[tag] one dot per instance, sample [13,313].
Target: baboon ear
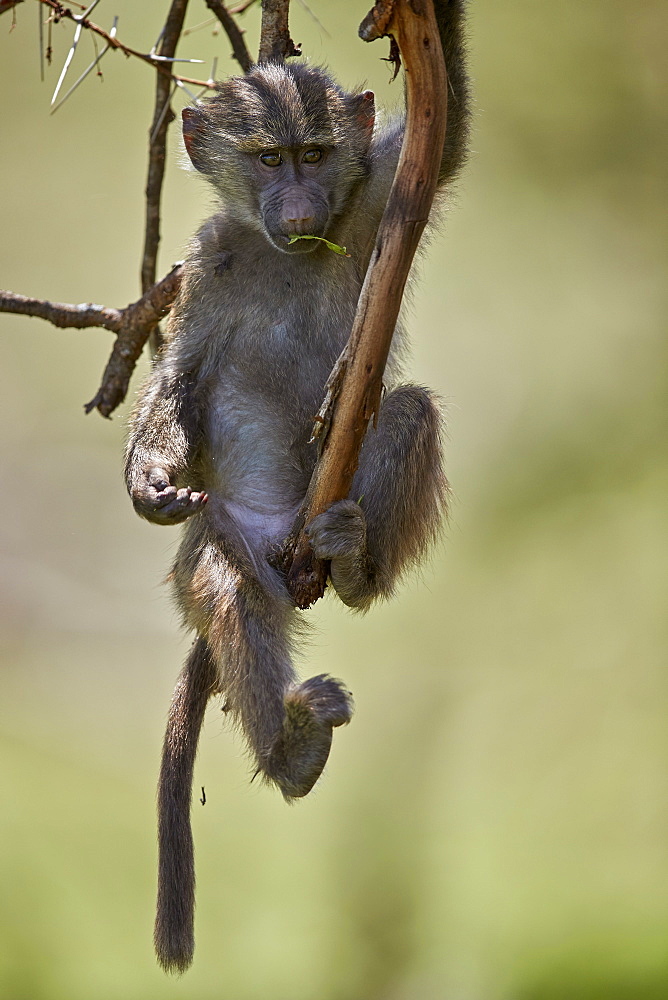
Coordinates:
[193,136]
[364,109]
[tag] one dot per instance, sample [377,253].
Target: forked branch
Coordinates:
[354,390]
[132,326]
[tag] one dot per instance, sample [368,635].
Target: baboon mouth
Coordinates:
[302,243]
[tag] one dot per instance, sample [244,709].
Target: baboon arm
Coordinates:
[386,146]
[163,440]
[451,21]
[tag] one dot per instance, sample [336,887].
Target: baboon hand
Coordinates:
[160,502]
[339,532]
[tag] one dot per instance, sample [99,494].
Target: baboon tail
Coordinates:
[174,922]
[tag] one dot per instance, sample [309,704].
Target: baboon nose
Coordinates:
[297,217]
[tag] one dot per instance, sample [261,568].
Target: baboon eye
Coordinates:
[271,159]
[312,156]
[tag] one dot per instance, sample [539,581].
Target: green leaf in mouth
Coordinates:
[332,246]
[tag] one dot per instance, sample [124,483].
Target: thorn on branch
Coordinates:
[95,62]
[59,12]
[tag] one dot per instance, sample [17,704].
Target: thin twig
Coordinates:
[275,42]
[241,8]
[314,17]
[234,33]
[162,114]
[355,387]
[40,19]
[193,97]
[157,150]
[198,27]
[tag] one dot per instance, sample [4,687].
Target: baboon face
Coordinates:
[284,146]
[293,194]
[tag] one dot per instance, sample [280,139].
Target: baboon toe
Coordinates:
[326,698]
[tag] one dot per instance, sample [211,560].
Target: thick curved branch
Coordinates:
[132,325]
[234,33]
[275,42]
[354,389]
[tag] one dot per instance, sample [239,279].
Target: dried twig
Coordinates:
[40,28]
[234,33]
[355,387]
[132,325]
[275,42]
[157,149]
[241,8]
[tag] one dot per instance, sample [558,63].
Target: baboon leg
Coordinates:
[398,498]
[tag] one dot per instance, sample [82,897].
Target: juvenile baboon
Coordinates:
[220,435]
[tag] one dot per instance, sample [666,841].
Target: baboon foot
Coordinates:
[312,710]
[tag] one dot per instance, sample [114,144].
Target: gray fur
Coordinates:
[219,436]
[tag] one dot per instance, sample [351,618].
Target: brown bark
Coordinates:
[275,42]
[355,386]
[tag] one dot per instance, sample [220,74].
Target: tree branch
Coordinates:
[234,33]
[163,116]
[132,325]
[275,42]
[62,314]
[355,387]
[139,319]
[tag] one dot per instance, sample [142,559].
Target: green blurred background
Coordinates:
[493,824]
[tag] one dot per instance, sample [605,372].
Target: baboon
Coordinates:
[219,437]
